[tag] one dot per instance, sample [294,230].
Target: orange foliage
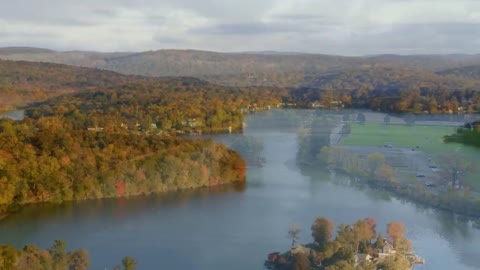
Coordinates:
[396,230]
[120,186]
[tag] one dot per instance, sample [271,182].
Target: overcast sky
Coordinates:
[346,27]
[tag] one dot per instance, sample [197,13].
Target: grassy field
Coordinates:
[428,138]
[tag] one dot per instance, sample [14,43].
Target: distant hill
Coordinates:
[393,89]
[384,78]
[429,62]
[231,68]
[375,86]
[268,68]
[470,72]
[23,50]
[24,82]
[73,58]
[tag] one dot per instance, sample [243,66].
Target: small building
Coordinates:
[386,250]
[272,257]
[362,257]
[95,129]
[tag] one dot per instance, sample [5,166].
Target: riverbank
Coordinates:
[220,186]
[450,202]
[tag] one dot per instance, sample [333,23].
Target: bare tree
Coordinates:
[456,167]
[294,233]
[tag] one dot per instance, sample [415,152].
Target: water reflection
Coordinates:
[234,227]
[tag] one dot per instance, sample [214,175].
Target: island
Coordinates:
[357,246]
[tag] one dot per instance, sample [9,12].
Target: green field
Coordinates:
[428,138]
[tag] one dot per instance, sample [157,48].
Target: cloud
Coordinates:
[242,29]
[348,27]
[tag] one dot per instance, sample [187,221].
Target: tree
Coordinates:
[409,119]
[396,230]
[380,241]
[456,167]
[129,263]
[322,230]
[341,265]
[8,257]
[300,262]
[58,254]
[384,173]
[397,261]
[294,233]
[33,258]
[386,119]
[78,260]
[361,118]
[375,162]
[363,231]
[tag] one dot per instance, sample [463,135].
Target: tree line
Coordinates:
[468,135]
[56,257]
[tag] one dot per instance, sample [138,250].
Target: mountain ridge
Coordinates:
[268,68]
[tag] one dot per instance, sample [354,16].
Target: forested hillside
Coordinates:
[394,90]
[378,87]
[24,82]
[182,106]
[237,69]
[46,160]
[470,72]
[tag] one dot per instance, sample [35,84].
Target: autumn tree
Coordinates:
[129,263]
[396,262]
[58,254]
[8,257]
[78,260]
[300,262]
[396,232]
[322,230]
[375,162]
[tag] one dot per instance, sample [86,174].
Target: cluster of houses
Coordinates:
[387,250]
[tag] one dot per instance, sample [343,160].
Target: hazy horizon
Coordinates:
[266,52]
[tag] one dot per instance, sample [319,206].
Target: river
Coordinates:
[236,227]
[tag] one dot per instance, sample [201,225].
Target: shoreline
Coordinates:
[408,193]
[234,184]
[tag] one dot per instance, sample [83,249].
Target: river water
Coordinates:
[235,227]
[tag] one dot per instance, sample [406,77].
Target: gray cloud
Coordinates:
[243,29]
[349,27]
[169,40]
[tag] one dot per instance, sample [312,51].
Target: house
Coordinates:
[272,260]
[362,257]
[386,250]
[316,105]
